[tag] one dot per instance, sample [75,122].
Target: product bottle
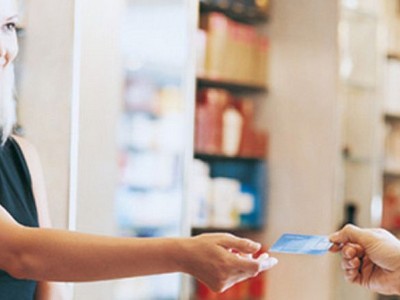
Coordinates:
[232,131]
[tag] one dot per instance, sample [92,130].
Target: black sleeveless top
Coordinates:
[16,196]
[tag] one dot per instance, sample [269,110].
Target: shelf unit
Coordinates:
[360,91]
[249,171]
[391,120]
[155,132]
[249,16]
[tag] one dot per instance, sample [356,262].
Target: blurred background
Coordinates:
[255,117]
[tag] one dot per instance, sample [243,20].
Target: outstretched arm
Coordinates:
[57,255]
[46,254]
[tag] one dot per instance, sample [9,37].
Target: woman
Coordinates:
[33,255]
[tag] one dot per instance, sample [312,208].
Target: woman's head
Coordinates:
[8,52]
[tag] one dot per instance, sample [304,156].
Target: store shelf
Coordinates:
[238,13]
[212,157]
[358,85]
[233,86]
[360,13]
[358,160]
[236,231]
[383,297]
[349,157]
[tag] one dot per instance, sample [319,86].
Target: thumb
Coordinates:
[240,244]
[351,234]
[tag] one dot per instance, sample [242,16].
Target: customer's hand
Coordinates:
[221,260]
[370,258]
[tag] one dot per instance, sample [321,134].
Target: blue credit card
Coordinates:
[301,244]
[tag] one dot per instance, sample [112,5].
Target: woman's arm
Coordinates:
[46,254]
[57,255]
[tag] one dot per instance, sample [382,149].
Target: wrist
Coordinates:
[179,254]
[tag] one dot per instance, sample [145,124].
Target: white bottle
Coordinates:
[231,131]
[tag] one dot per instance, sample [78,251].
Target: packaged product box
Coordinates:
[238,7]
[392,90]
[210,106]
[254,142]
[391,205]
[261,144]
[254,60]
[223,4]
[232,53]
[248,38]
[262,6]
[201,194]
[243,37]
[392,148]
[232,131]
[255,8]
[216,25]
[232,68]
[261,69]
[246,108]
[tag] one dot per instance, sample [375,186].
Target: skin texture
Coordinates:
[49,255]
[370,258]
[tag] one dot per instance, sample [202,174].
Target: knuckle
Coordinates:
[227,235]
[348,227]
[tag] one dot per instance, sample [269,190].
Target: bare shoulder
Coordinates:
[38,184]
[28,149]
[24,144]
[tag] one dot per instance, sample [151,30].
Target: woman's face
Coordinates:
[8,36]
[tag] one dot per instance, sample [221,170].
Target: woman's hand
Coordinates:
[221,260]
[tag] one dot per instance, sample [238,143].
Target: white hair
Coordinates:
[7,103]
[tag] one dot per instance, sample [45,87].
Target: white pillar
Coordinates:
[302,114]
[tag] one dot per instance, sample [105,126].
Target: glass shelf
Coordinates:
[358,85]
[236,230]
[234,86]
[212,157]
[358,160]
[239,13]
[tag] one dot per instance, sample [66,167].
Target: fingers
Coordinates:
[352,255]
[352,234]
[349,264]
[239,244]
[349,233]
[351,250]
[336,248]
[351,275]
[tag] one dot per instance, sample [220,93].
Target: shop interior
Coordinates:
[253,117]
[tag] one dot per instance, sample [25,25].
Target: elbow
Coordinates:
[18,257]
[20,262]
[20,266]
